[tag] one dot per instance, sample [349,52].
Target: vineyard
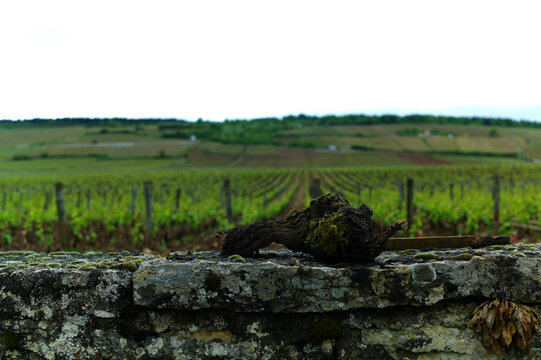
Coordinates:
[167,210]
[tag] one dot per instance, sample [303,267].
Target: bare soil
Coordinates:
[297,201]
[422,159]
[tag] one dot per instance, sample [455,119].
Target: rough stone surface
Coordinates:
[407,305]
[285,282]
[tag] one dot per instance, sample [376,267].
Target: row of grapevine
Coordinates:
[192,201]
[456,198]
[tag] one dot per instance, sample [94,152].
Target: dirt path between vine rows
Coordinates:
[297,201]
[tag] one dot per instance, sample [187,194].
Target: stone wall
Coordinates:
[407,305]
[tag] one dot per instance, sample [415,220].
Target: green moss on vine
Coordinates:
[291,212]
[329,235]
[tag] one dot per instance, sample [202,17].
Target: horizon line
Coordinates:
[282,117]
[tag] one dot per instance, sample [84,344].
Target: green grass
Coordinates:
[85,165]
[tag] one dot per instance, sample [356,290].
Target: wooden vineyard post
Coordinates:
[442,242]
[20,202]
[409,204]
[227,193]
[79,196]
[359,194]
[451,191]
[177,199]
[88,199]
[4,195]
[162,191]
[61,214]
[315,189]
[496,198]
[104,196]
[265,200]
[47,200]
[132,203]
[148,208]
[114,195]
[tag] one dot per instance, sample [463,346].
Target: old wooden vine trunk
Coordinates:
[330,229]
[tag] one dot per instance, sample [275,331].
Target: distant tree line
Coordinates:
[328,120]
[360,119]
[88,122]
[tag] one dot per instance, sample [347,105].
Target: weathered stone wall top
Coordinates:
[276,282]
[280,306]
[46,286]
[280,281]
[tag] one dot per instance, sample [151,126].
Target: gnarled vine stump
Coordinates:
[330,229]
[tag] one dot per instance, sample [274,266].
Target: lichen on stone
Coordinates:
[423,274]
[127,265]
[462,257]
[236,258]
[426,256]
[281,306]
[409,251]
[88,266]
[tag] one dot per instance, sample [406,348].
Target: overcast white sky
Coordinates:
[246,59]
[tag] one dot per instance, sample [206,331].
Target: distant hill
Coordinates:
[292,141]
